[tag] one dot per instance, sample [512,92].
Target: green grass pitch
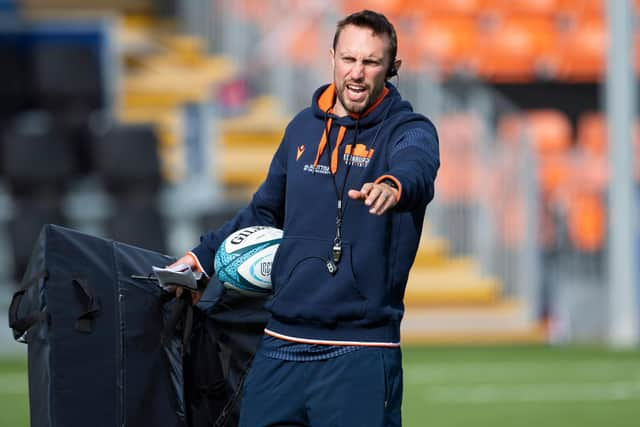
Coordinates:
[521,387]
[475,387]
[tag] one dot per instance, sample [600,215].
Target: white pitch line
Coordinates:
[426,372]
[524,393]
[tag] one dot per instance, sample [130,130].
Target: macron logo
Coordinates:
[300,152]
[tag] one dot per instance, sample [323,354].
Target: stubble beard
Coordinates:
[352,108]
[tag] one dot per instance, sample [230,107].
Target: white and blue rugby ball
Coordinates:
[243,260]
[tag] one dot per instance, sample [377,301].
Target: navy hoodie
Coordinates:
[362,302]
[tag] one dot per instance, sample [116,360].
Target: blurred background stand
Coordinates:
[153,121]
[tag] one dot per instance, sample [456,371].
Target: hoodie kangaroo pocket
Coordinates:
[305,290]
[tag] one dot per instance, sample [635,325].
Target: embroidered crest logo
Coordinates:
[299,152]
[359,156]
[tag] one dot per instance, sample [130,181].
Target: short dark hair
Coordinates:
[377,22]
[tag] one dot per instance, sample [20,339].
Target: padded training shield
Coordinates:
[93,333]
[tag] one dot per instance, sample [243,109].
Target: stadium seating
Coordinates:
[305,45]
[505,41]
[15,96]
[67,75]
[126,157]
[550,130]
[247,144]
[592,133]
[29,214]
[579,52]
[392,8]
[445,44]
[37,158]
[581,7]
[441,8]
[546,8]
[137,221]
[38,165]
[496,41]
[587,221]
[461,169]
[127,162]
[510,50]
[549,134]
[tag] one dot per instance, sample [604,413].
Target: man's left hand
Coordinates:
[195,295]
[380,197]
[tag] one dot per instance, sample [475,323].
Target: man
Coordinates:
[349,185]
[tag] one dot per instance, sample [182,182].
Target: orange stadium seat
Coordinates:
[450,7]
[391,8]
[408,48]
[308,45]
[548,130]
[510,50]
[551,130]
[524,7]
[592,142]
[549,133]
[446,43]
[508,204]
[587,221]
[592,133]
[460,171]
[581,7]
[579,54]
[509,128]
[590,171]
[554,173]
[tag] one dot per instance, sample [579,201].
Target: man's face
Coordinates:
[360,64]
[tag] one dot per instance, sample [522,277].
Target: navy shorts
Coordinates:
[360,388]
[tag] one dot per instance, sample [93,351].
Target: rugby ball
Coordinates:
[243,260]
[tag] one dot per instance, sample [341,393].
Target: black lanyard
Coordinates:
[336,250]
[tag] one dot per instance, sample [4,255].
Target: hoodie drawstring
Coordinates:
[324,139]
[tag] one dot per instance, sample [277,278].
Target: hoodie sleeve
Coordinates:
[414,160]
[266,208]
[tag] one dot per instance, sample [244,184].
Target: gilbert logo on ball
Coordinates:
[244,259]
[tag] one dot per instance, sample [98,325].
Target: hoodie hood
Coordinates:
[322,104]
[324,98]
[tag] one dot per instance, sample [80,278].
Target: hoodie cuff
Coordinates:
[392,179]
[204,258]
[196,261]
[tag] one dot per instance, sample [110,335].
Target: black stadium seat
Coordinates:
[126,158]
[13,76]
[36,158]
[127,162]
[138,222]
[66,75]
[29,215]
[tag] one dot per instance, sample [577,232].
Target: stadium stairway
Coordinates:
[447,301]
[247,144]
[163,72]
